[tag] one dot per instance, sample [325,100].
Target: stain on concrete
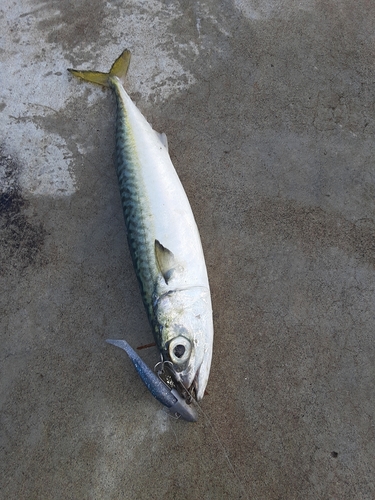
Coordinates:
[312,229]
[21,237]
[71,22]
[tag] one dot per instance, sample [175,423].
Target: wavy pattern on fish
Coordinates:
[128,170]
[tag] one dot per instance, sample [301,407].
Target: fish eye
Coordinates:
[179,350]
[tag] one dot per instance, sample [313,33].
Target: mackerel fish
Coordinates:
[166,252]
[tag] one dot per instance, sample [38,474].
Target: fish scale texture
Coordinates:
[128,172]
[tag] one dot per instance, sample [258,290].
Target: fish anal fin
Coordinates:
[166,261]
[164,140]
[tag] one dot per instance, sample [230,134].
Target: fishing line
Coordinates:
[231,467]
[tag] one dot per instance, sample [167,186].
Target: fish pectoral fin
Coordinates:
[166,261]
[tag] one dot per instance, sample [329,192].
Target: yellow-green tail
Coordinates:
[119,68]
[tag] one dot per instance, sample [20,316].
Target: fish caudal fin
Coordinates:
[119,68]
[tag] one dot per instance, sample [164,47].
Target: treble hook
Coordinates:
[162,391]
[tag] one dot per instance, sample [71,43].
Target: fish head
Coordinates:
[186,335]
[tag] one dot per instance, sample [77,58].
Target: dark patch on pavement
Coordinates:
[312,228]
[72,22]
[21,239]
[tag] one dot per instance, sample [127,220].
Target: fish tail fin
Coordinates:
[119,68]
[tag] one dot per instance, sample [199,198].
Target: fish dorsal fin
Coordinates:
[166,261]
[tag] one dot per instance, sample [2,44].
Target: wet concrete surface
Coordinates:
[269,111]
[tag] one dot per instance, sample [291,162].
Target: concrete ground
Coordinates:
[269,111]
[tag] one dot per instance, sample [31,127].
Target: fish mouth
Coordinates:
[189,388]
[199,384]
[167,372]
[200,380]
